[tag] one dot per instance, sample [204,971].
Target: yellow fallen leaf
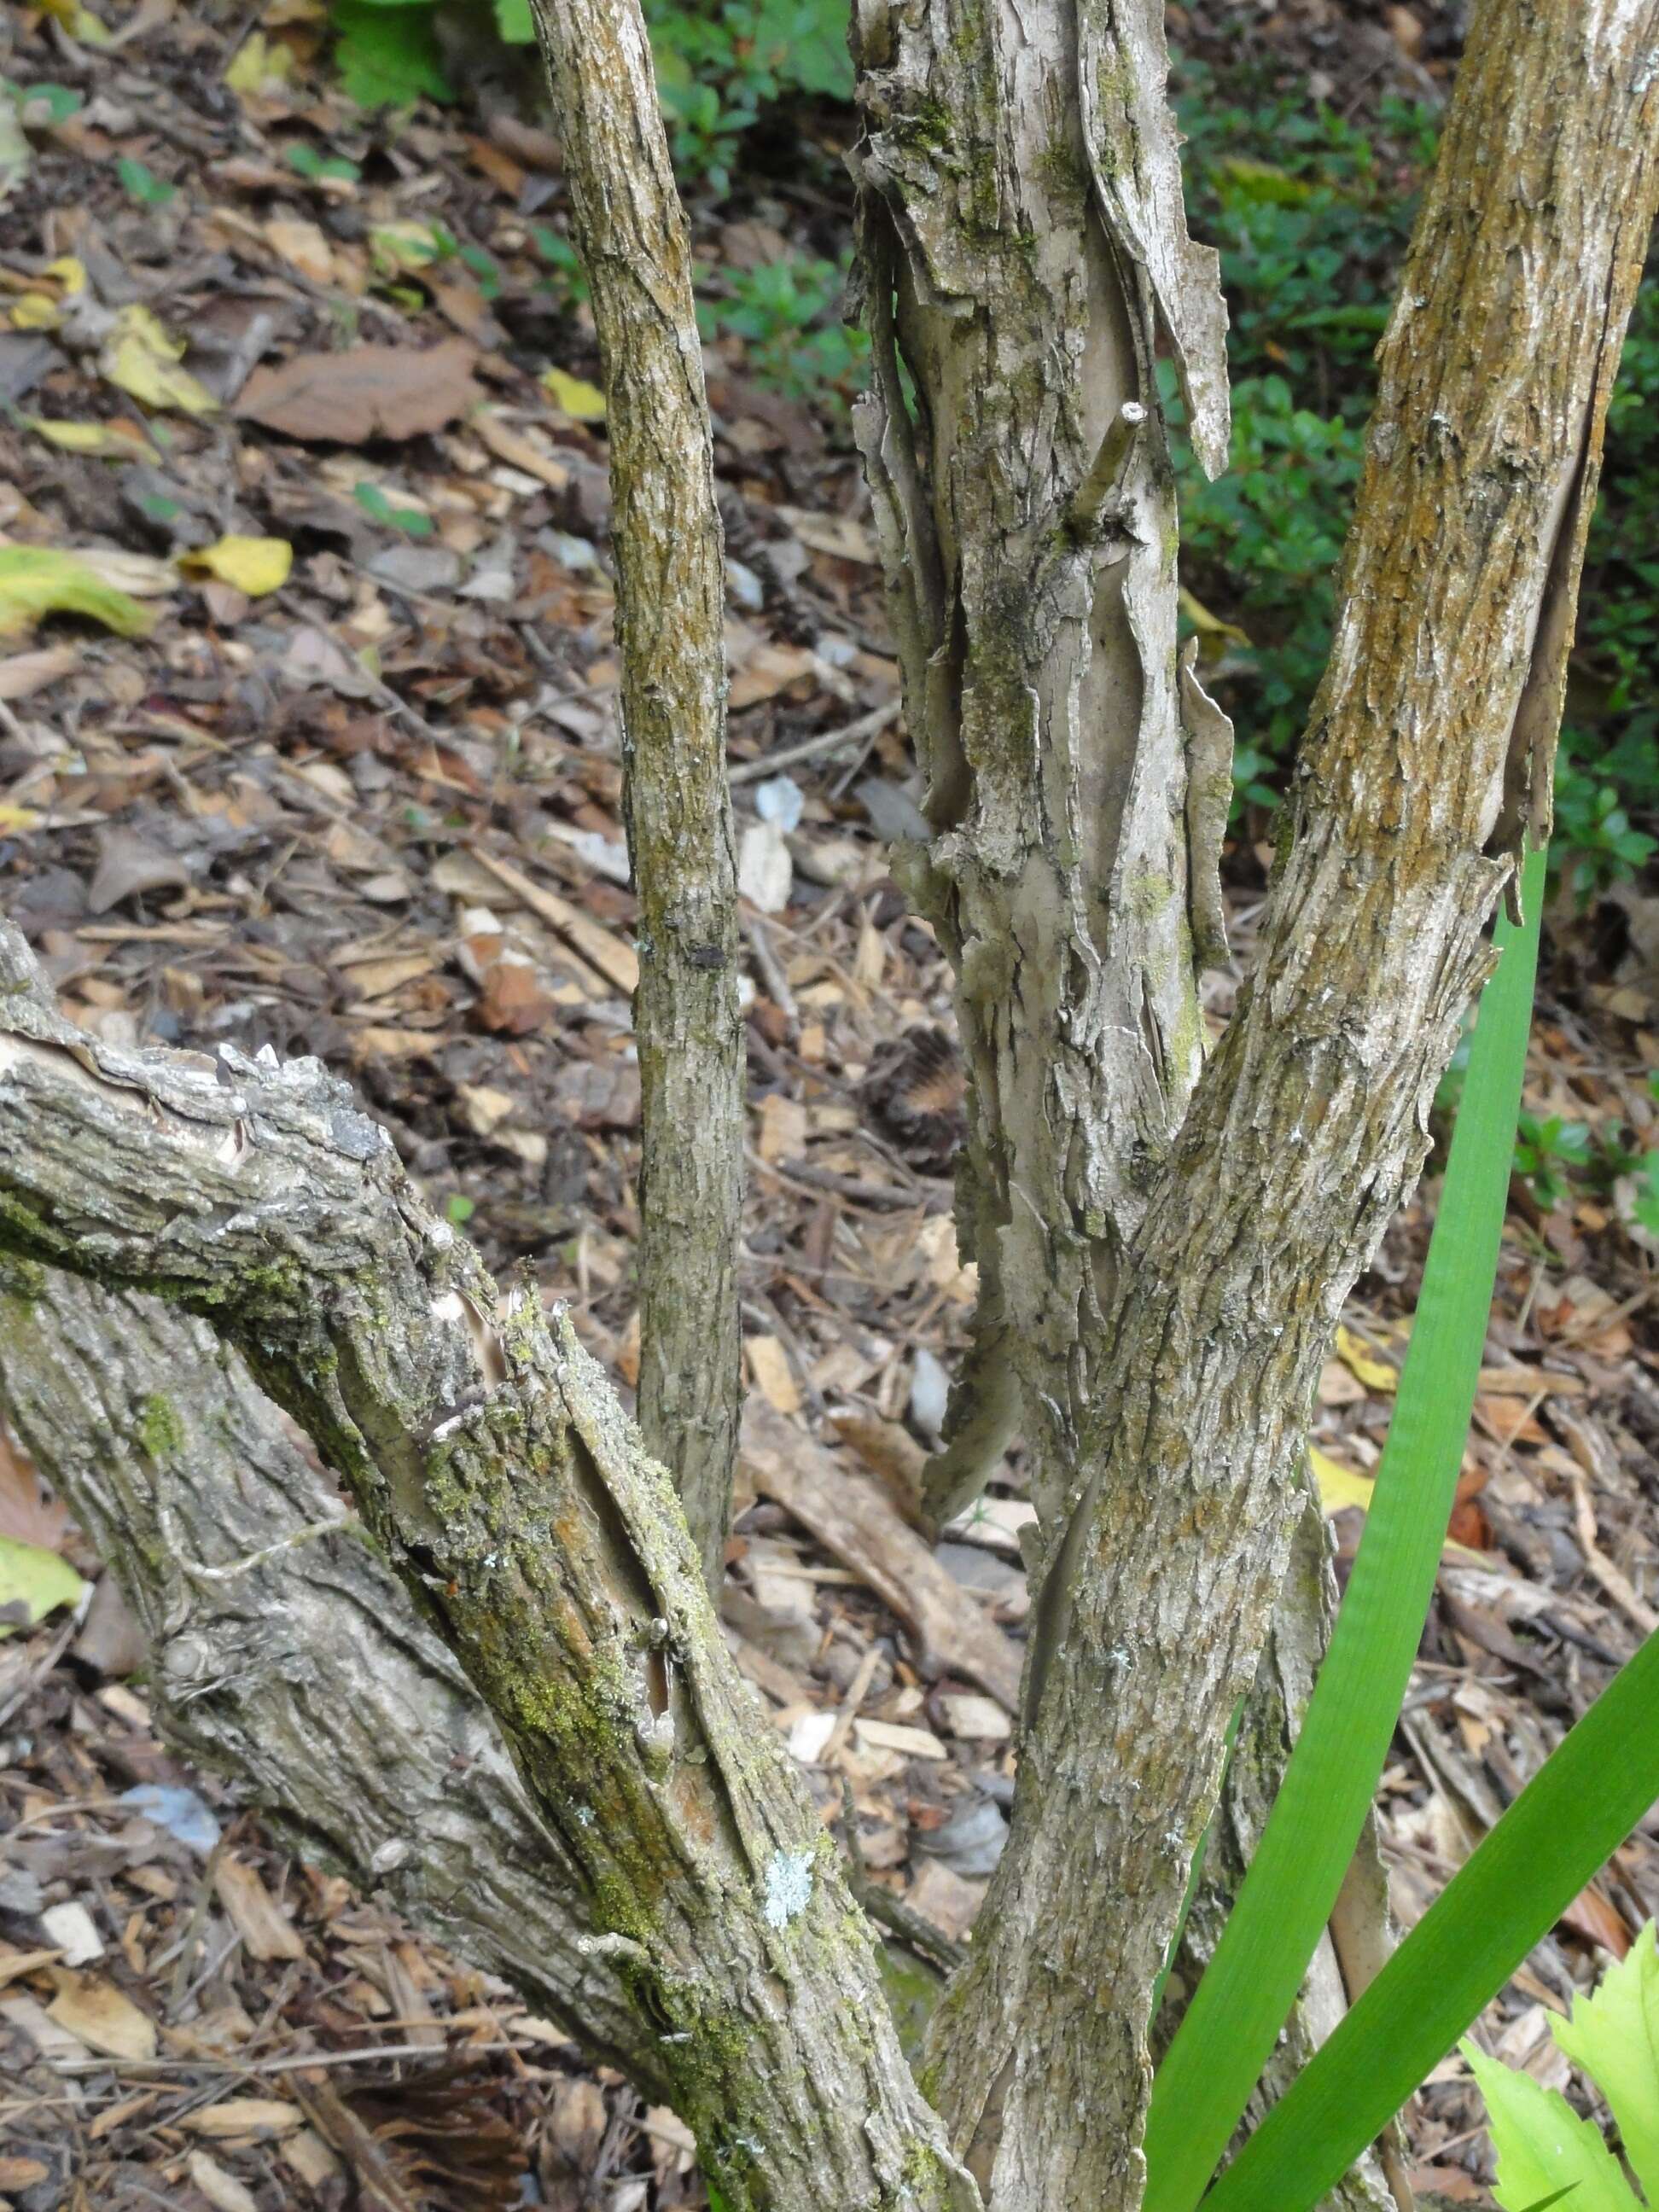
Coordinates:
[32,1583]
[78,20]
[573,396]
[140,357]
[253,565]
[260,62]
[1338,1486]
[38,306]
[16,818]
[395,247]
[1357,1355]
[36,581]
[112,440]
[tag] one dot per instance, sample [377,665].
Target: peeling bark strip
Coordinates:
[671,601]
[1309,1124]
[494,1468]
[291,1661]
[1023,246]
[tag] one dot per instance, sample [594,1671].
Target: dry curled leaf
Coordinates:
[367,391]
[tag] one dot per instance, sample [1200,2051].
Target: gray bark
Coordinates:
[1023,248]
[671,602]
[1309,1122]
[492,1466]
[290,1659]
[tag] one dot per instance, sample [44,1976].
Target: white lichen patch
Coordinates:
[788,1886]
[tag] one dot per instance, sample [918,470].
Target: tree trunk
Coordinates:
[1022,244]
[286,1654]
[1165,1301]
[1427,756]
[494,1469]
[671,605]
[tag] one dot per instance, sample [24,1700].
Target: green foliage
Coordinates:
[1571,1817]
[142,184]
[789,312]
[1541,2143]
[1251,1982]
[1311,218]
[386,52]
[375,504]
[720,64]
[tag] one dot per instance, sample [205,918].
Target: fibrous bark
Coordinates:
[1023,250]
[666,533]
[286,1653]
[1309,1124]
[491,1464]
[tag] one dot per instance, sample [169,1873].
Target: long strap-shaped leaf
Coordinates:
[1566,1823]
[1252,1981]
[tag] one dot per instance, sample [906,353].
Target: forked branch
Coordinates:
[489,1461]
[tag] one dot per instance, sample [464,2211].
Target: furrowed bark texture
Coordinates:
[291,1659]
[1309,1123]
[1023,248]
[491,1462]
[670,601]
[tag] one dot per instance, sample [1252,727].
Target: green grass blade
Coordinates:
[1252,1981]
[1195,1872]
[1565,1824]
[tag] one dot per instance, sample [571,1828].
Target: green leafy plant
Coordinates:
[1311,216]
[788,313]
[140,183]
[410,519]
[720,64]
[1544,2151]
[387,52]
[1569,1819]
[1547,1151]
[1559,1832]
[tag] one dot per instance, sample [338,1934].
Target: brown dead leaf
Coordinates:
[771,1374]
[129,865]
[26,1515]
[95,2012]
[25,673]
[245,2120]
[221,2190]
[254,1913]
[513,1002]
[367,391]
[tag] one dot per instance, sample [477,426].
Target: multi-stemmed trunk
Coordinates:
[1164,1238]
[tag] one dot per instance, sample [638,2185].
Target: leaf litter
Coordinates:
[310,739]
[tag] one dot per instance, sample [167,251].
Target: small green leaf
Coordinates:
[410,519]
[387,56]
[304,157]
[459,1209]
[1615,2037]
[33,1584]
[142,183]
[1542,2145]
